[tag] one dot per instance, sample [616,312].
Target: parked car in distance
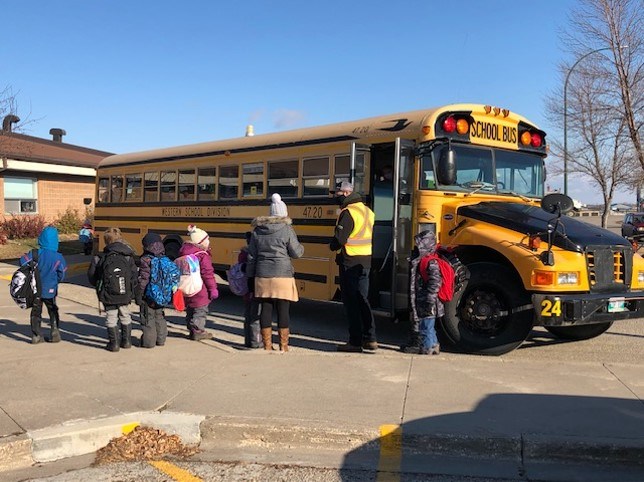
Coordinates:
[633,225]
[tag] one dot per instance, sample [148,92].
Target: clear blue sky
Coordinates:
[130,75]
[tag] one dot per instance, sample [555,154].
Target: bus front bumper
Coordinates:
[586,309]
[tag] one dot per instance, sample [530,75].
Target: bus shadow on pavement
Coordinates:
[515,437]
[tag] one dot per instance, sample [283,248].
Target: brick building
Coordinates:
[44,176]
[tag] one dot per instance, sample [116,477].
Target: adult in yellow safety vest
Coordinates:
[352,241]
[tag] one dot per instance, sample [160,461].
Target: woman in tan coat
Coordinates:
[272,244]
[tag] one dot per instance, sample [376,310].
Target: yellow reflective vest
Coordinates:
[359,242]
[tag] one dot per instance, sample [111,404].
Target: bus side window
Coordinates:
[206,184]
[315,176]
[187,185]
[283,178]
[228,182]
[151,187]
[103,189]
[168,185]
[117,189]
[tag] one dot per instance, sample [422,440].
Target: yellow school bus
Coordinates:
[474,174]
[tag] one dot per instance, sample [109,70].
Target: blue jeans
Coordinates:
[427,332]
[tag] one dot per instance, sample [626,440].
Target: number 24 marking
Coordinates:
[550,308]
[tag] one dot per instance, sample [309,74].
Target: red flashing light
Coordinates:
[535,140]
[449,125]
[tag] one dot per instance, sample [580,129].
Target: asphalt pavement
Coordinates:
[70,398]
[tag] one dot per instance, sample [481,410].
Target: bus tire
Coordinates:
[581,332]
[477,319]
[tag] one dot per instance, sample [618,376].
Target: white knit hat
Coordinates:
[198,236]
[278,208]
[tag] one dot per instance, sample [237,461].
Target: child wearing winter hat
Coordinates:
[278,208]
[197,304]
[152,317]
[52,268]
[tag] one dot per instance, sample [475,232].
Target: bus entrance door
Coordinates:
[402,226]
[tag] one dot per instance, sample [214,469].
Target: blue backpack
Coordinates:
[164,281]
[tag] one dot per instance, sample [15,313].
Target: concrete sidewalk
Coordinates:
[65,399]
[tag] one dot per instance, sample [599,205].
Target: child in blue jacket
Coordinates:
[52,268]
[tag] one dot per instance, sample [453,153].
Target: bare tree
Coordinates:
[613,78]
[600,148]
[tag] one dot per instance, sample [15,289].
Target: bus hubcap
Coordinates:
[482,312]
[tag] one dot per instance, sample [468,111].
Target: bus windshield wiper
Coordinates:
[477,187]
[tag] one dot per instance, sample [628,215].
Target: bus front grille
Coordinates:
[609,267]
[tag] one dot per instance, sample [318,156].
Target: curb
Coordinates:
[15,452]
[82,437]
[246,434]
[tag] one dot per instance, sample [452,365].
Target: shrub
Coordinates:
[3,238]
[69,222]
[20,227]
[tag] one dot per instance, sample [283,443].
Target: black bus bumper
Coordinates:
[586,309]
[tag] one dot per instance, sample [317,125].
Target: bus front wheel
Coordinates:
[490,314]
[581,332]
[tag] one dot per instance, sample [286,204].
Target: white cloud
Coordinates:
[284,118]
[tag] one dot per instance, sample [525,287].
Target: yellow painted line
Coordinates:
[390,453]
[171,470]
[6,276]
[128,427]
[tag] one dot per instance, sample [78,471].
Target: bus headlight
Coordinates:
[568,278]
[640,277]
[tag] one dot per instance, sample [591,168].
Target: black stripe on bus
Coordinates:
[226,235]
[317,201]
[191,219]
[315,278]
[283,145]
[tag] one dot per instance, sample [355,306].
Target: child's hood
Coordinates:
[152,243]
[190,248]
[48,238]
[425,242]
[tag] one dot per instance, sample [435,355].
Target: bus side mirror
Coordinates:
[446,169]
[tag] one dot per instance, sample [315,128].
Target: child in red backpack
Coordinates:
[424,301]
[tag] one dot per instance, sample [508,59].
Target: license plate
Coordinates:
[617,306]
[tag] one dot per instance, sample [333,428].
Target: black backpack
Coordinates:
[25,283]
[114,286]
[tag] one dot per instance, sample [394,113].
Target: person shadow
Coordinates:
[314,325]
[89,332]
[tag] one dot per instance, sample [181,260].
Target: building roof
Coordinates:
[35,149]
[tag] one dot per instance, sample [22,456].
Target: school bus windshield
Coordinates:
[488,170]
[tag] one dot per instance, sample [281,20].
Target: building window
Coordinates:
[253,179]
[187,185]
[228,182]
[282,178]
[206,184]
[20,195]
[133,187]
[151,188]
[315,176]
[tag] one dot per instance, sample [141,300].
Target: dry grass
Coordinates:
[15,248]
